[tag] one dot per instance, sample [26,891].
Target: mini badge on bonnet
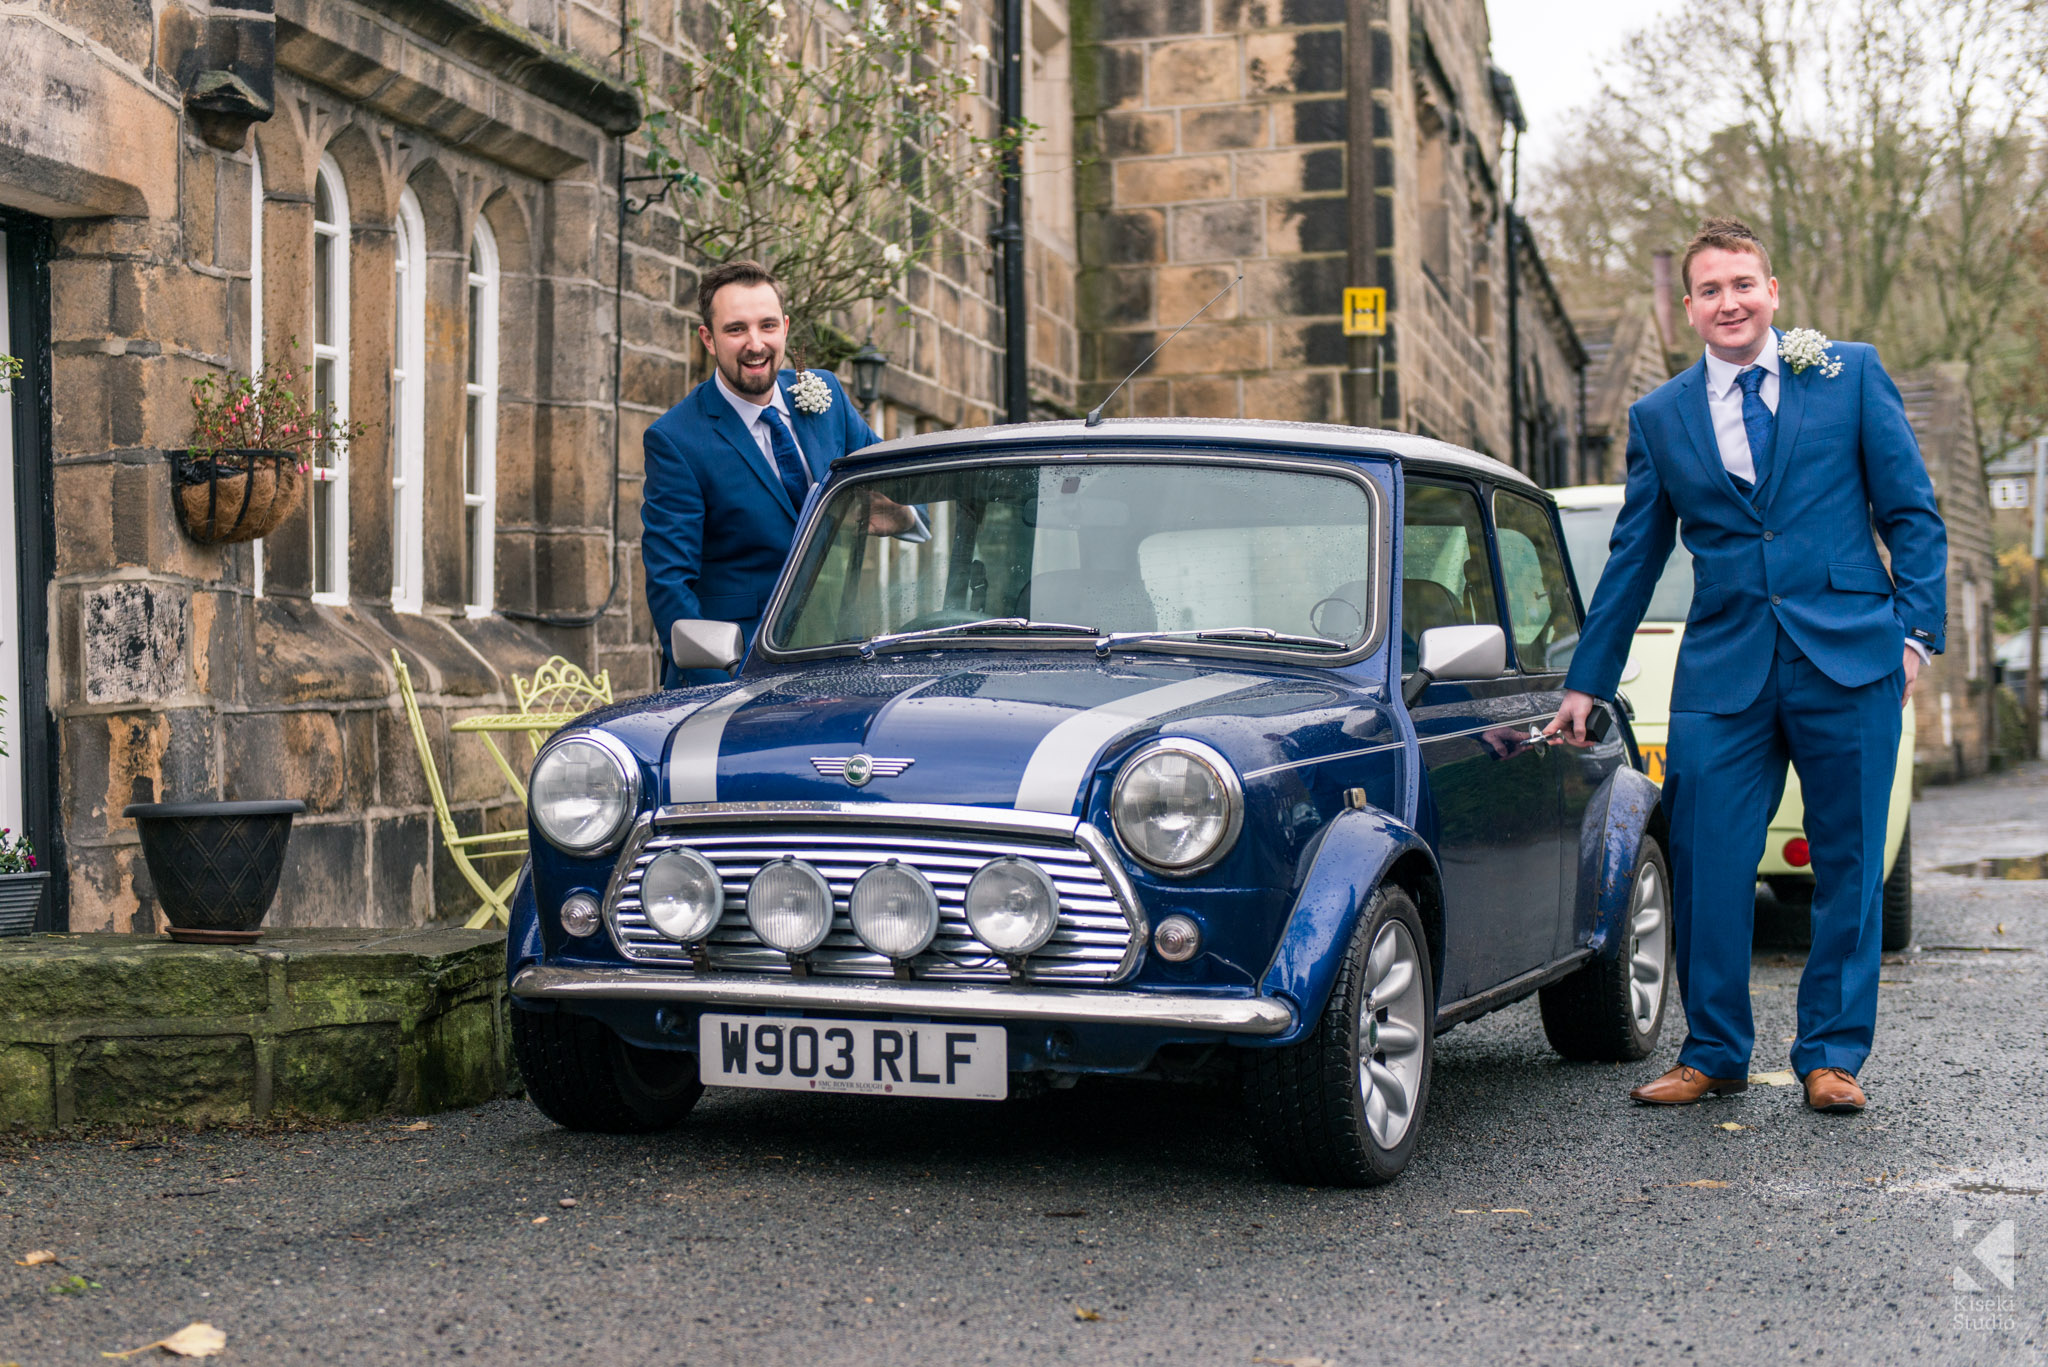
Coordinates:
[858,769]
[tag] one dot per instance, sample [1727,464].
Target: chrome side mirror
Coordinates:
[695,644]
[1451,654]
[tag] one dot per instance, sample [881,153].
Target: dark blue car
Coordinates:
[1156,748]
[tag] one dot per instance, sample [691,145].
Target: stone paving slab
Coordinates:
[330,1023]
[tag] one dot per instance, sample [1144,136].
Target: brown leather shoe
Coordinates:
[1833,1090]
[1682,1086]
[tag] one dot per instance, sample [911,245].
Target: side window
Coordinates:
[1544,621]
[1445,578]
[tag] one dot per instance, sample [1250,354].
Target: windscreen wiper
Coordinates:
[1258,635]
[986,625]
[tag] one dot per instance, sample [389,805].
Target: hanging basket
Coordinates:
[235,495]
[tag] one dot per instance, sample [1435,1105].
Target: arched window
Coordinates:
[256,316]
[408,407]
[330,381]
[480,425]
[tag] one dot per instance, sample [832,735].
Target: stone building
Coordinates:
[420,199]
[1955,705]
[1626,359]
[1312,145]
[420,196]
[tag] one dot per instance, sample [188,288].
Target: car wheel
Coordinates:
[1612,1010]
[1343,1108]
[1898,895]
[584,1077]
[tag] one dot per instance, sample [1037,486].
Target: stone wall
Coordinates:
[1216,138]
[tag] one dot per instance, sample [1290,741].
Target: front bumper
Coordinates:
[1258,1016]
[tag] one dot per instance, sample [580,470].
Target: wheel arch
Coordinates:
[1627,807]
[1359,852]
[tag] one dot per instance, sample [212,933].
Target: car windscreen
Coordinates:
[1112,546]
[1586,534]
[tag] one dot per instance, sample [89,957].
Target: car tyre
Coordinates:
[582,1076]
[1316,1121]
[1612,1010]
[1898,896]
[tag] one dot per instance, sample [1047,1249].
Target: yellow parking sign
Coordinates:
[1365,313]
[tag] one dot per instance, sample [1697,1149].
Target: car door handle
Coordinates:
[1537,739]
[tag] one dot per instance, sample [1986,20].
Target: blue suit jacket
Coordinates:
[716,525]
[1799,555]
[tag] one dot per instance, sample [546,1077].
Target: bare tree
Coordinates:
[1892,154]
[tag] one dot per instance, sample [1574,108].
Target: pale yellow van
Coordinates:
[1588,513]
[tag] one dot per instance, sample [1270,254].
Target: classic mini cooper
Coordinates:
[1152,748]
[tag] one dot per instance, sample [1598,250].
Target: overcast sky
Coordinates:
[1554,51]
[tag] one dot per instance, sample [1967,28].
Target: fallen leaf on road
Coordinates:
[1782,1078]
[1460,1211]
[1296,1362]
[1731,1125]
[197,1340]
[2001,927]
[1508,1210]
[36,1258]
[416,1125]
[1083,1313]
[1703,1182]
[567,1203]
[540,1219]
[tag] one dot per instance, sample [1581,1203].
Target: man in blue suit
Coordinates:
[729,468]
[1775,459]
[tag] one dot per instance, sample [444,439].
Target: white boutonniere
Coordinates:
[1803,347]
[810,393]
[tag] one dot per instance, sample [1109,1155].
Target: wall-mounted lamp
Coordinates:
[868,364]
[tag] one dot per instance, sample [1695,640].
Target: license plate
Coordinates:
[873,1058]
[1653,762]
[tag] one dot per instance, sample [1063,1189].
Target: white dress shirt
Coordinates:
[1724,405]
[750,418]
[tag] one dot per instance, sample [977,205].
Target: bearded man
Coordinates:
[1776,457]
[730,467]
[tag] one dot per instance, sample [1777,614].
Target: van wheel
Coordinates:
[1898,895]
[1343,1108]
[1612,1010]
[584,1077]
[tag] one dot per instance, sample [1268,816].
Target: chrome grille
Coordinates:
[1092,943]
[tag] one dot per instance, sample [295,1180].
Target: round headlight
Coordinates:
[584,791]
[682,895]
[894,911]
[789,905]
[1177,806]
[1012,906]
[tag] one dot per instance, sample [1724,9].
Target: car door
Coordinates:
[1543,614]
[1489,798]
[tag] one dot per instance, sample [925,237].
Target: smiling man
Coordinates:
[1775,457]
[729,468]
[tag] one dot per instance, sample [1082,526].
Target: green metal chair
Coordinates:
[465,850]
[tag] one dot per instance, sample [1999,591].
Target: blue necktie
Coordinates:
[789,462]
[1757,420]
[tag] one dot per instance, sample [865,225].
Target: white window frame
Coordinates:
[409,407]
[480,388]
[335,352]
[256,317]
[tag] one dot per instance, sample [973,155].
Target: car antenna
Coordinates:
[1095,413]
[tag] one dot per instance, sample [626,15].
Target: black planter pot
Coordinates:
[21,897]
[215,864]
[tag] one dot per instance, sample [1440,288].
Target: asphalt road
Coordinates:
[1545,1219]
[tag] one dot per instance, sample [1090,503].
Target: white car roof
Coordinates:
[1590,495]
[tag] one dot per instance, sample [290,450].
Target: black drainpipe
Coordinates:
[1514,303]
[1016,314]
